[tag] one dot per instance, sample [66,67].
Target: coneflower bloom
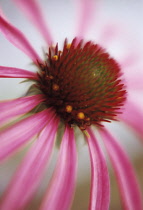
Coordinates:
[79,86]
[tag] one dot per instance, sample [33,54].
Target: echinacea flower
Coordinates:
[79,86]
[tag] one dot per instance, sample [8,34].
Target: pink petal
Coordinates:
[17,38]
[129,189]
[100,186]
[135,82]
[86,12]
[133,73]
[62,186]
[130,60]
[29,174]
[18,106]
[133,117]
[10,72]
[110,32]
[15,136]
[32,9]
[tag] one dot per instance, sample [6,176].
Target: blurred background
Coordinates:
[117,26]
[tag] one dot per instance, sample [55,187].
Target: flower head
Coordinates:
[69,78]
[78,86]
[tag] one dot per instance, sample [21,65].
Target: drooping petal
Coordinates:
[17,38]
[18,106]
[32,9]
[133,117]
[29,174]
[15,136]
[86,12]
[11,72]
[61,189]
[126,178]
[100,186]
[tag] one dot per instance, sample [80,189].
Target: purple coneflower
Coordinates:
[77,86]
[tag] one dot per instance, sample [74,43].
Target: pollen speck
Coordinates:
[55,57]
[80,116]
[69,108]
[49,77]
[68,46]
[87,119]
[55,87]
